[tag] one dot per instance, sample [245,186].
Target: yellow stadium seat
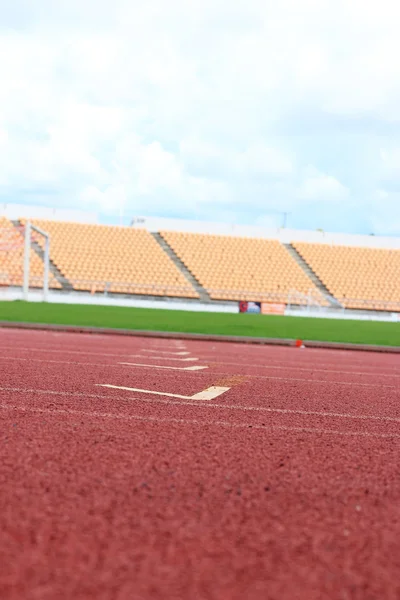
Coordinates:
[363,278]
[130,259]
[232,268]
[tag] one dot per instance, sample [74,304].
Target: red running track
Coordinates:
[284,487]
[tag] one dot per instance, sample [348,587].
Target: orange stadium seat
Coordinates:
[100,258]
[361,278]
[234,268]
[12,259]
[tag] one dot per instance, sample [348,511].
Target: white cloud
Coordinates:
[381,195]
[390,162]
[263,160]
[321,187]
[384,213]
[193,108]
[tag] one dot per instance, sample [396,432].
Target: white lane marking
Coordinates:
[191,402]
[329,382]
[190,359]
[120,417]
[395,388]
[166,352]
[310,368]
[208,394]
[54,350]
[192,368]
[287,364]
[69,362]
[214,363]
[261,354]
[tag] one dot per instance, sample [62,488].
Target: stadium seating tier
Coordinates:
[233,268]
[361,278]
[117,259]
[127,260]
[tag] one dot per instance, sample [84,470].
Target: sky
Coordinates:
[204,109]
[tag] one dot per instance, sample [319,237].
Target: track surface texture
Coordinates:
[281,483]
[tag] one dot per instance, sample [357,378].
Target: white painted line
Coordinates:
[63,351]
[287,364]
[190,359]
[192,368]
[312,368]
[228,407]
[67,362]
[166,352]
[120,417]
[396,389]
[208,394]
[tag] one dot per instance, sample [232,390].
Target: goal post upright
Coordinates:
[46,269]
[27,258]
[29,227]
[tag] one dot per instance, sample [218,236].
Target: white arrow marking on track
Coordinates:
[166,352]
[208,394]
[193,368]
[164,358]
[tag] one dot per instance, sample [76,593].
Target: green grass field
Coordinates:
[331,330]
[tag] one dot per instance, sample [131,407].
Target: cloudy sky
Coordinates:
[231,111]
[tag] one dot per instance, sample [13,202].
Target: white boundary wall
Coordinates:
[283,235]
[59,297]
[102,300]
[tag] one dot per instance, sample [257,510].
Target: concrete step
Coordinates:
[313,276]
[203,294]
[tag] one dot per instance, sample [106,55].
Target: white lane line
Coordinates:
[166,352]
[54,350]
[201,423]
[310,368]
[287,364]
[328,382]
[282,411]
[208,394]
[191,402]
[192,368]
[395,388]
[111,365]
[190,359]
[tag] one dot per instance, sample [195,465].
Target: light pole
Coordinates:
[285,215]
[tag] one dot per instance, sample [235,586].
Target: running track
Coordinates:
[286,486]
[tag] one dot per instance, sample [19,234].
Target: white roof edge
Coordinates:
[28,211]
[283,235]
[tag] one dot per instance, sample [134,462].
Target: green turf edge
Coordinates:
[166,320]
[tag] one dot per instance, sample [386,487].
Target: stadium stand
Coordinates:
[12,258]
[238,268]
[360,278]
[131,260]
[100,258]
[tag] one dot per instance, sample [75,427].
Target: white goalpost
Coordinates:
[21,252]
[29,227]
